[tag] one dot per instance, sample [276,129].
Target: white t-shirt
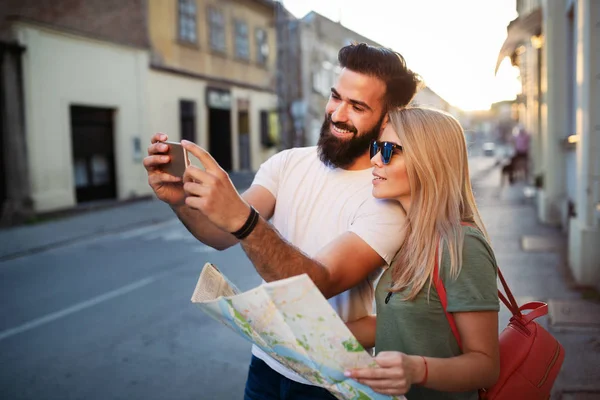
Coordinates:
[314,205]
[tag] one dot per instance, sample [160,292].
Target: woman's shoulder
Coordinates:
[474,236]
[476,246]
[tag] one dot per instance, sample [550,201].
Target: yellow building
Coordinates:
[212,76]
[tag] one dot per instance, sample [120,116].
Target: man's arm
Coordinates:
[339,266]
[208,233]
[170,189]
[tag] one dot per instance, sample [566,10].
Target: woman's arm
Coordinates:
[364,330]
[478,366]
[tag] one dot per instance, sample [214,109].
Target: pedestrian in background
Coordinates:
[521,142]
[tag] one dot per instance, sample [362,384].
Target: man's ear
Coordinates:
[386,119]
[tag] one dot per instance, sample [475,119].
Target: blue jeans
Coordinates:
[264,383]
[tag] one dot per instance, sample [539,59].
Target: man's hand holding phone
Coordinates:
[165,165]
[178,159]
[210,191]
[207,188]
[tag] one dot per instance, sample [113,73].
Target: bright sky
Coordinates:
[452,44]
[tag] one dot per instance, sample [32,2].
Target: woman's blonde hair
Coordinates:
[435,153]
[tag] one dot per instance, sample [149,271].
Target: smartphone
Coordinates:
[179,159]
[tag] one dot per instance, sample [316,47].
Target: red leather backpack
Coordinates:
[530,357]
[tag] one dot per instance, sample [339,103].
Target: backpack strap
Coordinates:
[439,287]
[508,300]
[537,309]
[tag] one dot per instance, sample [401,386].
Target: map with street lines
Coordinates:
[291,321]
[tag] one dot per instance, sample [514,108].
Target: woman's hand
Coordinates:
[394,374]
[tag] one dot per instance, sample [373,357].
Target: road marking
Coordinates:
[134,233]
[80,306]
[170,230]
[82,239]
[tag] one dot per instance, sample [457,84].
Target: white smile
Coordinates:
[340,131]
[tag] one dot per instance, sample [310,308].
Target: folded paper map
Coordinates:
[291,321]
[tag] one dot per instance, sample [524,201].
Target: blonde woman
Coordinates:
[421,161]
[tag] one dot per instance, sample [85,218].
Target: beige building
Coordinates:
[212,77]
[83,88]
[555,44]
[74,105]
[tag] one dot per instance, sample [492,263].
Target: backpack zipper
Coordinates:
[556,354]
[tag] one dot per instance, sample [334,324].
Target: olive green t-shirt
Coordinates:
[420,327]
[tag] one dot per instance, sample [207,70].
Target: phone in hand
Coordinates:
[179,159]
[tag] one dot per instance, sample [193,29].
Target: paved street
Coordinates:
[97,310]
[111,318]
[97,306]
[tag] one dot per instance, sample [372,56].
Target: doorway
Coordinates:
[92,136]
[219,126]
[244,140]
[187,120]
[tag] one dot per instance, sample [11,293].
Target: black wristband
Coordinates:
[248,226]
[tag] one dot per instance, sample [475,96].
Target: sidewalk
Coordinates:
[27,239]
[532,259]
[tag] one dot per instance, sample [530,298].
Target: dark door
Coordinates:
[244,140]
[93,153]
[187,120]
[219,126]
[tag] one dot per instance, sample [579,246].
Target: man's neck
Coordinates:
[362,162]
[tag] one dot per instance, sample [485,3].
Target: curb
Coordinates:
[81,238]
[92,234]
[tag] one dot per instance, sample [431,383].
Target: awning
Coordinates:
[518,32]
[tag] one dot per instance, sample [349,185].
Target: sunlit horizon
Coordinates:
[452,45]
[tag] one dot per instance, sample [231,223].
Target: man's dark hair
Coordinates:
[389,66]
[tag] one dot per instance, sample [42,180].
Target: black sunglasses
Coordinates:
[386,148]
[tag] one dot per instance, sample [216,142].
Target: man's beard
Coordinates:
[340,153]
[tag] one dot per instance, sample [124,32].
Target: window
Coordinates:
[216,26]
[187,21]
[187,120]
[242,49]
[262,46]
[320,83]
[324,77]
